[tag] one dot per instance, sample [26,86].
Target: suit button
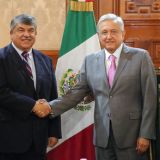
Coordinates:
[109,114]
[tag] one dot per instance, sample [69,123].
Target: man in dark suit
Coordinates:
[26,75]
[123,82]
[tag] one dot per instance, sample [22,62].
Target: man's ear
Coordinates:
[123,34]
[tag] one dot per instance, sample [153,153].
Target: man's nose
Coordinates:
[26,33]
[109,34]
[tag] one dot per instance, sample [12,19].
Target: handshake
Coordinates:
[41,108]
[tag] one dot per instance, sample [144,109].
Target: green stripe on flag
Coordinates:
[79,27]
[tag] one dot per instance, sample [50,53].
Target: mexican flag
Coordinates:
[79,39]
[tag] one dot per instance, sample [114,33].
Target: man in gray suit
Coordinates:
[125,108]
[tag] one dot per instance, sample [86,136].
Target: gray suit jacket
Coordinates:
[130,104]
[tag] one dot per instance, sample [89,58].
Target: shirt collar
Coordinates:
[19,51]
[116,53]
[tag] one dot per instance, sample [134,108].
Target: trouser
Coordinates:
[112,152]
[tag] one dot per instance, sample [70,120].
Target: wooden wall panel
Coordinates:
[140,9]
[52,54]
[142,25]
[96,9]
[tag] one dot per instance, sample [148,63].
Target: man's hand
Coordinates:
[52,141]
[142,145]
[41,109]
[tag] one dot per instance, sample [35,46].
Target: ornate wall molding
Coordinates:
[140,9]
[96,9]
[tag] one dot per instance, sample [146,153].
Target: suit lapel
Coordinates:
[122,63]
[17,61]
[101,58]
[39,69]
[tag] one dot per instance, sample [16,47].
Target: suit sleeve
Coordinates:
[149,98]
[73,96]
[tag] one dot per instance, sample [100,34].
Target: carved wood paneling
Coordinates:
[96,9]
[142,25]
[140,9]
[156,52]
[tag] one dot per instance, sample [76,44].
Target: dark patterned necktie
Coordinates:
[28,68]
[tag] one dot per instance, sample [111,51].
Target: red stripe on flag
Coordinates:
[76,147]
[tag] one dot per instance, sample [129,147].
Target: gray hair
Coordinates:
[23,19]
[111,17]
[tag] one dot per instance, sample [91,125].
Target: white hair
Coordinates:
[111,17]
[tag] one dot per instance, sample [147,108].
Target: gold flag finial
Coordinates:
[81,5]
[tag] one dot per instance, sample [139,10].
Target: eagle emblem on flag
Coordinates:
[68,81]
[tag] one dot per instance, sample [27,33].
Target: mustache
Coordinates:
[27,38]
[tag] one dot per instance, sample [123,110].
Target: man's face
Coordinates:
[23,36]
[110,35]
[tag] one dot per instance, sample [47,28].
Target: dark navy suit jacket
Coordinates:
[19,127]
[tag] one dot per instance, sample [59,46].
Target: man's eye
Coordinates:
[31,31]
[104,33]
[114,32]
[20,30]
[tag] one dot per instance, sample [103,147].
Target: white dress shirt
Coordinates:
[116,54]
